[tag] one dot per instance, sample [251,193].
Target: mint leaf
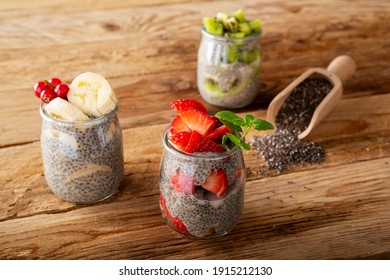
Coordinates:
[234,128]
[224,142]
[246,146]
[249,119]
[262,125]
[235,139]
[240,128]
[230,117]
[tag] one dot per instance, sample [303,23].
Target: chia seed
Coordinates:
[283,148]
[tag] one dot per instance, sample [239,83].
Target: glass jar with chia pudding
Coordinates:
[229,69]
[201,194]
[83,160]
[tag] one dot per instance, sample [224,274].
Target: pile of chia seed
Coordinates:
[282,148]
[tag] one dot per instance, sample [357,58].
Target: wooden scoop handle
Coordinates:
[343,66]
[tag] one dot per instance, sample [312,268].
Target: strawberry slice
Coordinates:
[199,121]
[180,140]
[178,125]
[216,182]
[199,143]
[217,121]
[217,134]
[183,183]
[175,221]
[186,104]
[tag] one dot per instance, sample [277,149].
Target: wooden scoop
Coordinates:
[338,71]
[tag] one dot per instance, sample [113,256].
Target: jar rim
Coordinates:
[225,39]
[93,121]
[211,156]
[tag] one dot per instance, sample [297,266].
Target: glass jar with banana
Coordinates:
[81,139]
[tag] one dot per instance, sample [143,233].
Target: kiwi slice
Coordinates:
[237,86]
[212,88]
[231,24]
[248,56]
[231,54]
[235,35]
[245,28]
[239,14]
[213,26]
[222,17]
[255,25]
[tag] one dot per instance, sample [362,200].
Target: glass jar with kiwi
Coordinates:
[229,60]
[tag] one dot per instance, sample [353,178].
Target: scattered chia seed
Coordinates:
[283,148]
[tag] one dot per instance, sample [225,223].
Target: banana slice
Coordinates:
[62,109]
[92,94]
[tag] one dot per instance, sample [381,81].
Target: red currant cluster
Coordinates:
[47,90]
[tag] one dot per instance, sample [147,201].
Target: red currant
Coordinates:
[61,90]
[48,95]
[55,81]
[38,87]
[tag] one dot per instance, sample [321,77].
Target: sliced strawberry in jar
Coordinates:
[178,125]
[199,143]
[217,134]
[175,221]
[183,183]
[199,121]
[187,104]
[217,121]
[180,140]
[216,182]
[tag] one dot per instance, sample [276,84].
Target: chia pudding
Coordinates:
[229,69]
[83,160]
[198,213]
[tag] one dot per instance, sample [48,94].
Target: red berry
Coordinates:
[186,104]
[178,126]
[48,95]
[217,134]
[180,140]
[55,81]
[199,144]
[216,182]
[218,123]
[175,221]
[183,183]
[199,121]
[38,87]
[61,90]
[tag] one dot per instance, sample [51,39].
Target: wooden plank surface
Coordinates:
[334,210]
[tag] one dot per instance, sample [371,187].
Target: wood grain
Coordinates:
[143,46]
[334,210]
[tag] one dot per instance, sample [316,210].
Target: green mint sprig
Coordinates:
[240,127]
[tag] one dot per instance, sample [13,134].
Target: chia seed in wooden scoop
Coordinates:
[314,81]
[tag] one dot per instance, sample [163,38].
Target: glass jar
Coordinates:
[187,207]
[229,69]
[83,161]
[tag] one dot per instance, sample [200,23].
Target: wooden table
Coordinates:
[338,209]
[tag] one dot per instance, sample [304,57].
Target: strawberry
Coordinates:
[186,104]
[175,221]
[197,120]
[217,121]
[178,125]
[217,134]
[183,183]
[199,143]
[216,182]
[180,140]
